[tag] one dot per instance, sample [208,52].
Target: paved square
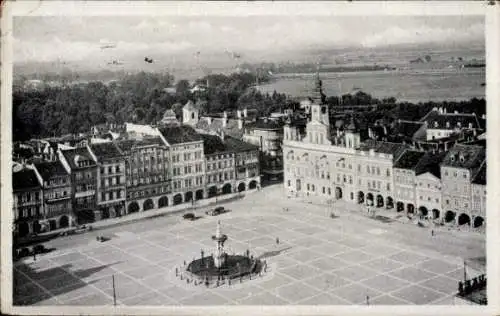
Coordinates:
[319,261]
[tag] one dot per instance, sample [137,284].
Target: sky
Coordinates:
[79,39]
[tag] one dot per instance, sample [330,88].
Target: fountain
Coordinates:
[221,266]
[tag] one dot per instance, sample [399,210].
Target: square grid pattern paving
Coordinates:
[311,265]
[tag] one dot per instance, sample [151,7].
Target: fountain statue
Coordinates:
[220,265]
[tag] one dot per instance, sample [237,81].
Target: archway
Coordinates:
[85,216]
[133,207]
[241,187]
[148,205]
[177,199]
[188,197]
[422,211]
[361,197]
[37,228]
[212,191]
[410,208]
[400,206]
[63,221]
[24,229]
[478,221]
[226,189]
[105,213]
[435,214]
[252,185]
[380,201]
[52,224]
[199,194]
[338,193]
[163,201]
[369,199]
[449,216]
[389,202]
[463,219]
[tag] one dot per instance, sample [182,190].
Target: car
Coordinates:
[188,216]
[39,249]
[216,211]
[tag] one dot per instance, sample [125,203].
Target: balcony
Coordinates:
[84,194]
[57,199]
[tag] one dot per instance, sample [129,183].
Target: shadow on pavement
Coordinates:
[57,280]
[272,253]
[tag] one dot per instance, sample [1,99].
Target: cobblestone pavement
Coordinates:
[350,259]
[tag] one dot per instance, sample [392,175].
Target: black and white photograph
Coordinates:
[266,158]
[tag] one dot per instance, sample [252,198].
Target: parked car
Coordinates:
[39,249]
[216,211]
[189,216]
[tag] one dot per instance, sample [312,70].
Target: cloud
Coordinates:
[424,34]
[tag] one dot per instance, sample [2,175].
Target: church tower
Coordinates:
[352,137]
[318,129]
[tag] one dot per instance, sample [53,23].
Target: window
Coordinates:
[102,170]
[388,187]
[388,172]
[289,183]
[313,188]
[308,187]
[324,190]
[103,196]
[111,195]
[378,171]
[368,169]
[329,191]
[447,202]
[110,169]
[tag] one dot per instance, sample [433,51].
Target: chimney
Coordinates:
[225,114]
[245,112]
[238,114]
[224,122]
[222,135]
[370,132]
[240,123]
[385,130]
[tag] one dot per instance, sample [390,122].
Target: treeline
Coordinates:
[139,98]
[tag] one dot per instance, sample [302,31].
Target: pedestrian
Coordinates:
[34,256]
[432,232]
[277,241]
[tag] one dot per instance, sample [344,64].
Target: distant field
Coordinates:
[406,85]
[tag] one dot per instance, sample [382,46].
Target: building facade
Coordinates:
[188,163]
[478,211]
[111,184]
[459,167]
[147,173]
[28,203]
[83,169]
[57,192]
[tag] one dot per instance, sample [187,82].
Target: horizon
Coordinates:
[91,43]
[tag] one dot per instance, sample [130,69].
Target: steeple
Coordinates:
[317,93]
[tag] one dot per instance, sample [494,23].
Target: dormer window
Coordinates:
[459,124]
[447,124]
[436,124]
[470,125]
[462,158]
[452,158]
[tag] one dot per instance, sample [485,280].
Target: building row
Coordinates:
[330,163]
[146,168]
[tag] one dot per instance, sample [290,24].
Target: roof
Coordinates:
[49,169]
[265,124]
[216,126]
[436,120]
[24,179]
[75,154]
[406,128]
[106,150]
[180,134]
[465,156]
[127,144]
[237,145]
[169,113]
[430,162]
[213,144]
[409,159]
[393,149]
[480,177]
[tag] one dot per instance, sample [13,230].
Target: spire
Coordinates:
[317,94]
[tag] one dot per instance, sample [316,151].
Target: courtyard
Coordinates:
[349,259]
